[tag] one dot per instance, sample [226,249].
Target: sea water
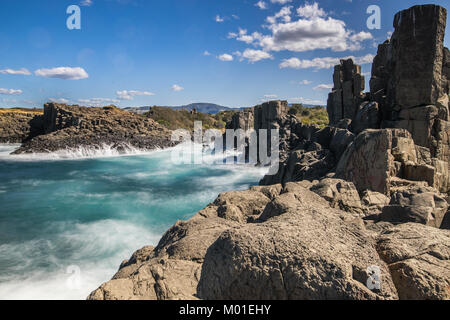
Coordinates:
[78,214]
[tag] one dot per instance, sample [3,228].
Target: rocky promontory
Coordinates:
[62,127]
[358,210]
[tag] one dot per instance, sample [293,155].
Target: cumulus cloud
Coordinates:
[323,87]
[261,4]
[254,55]
[86,3]
[206,53]
[59,100]
[311,30]
[219,19]
[22,71]
[270,96]
[305,82]
[322,63]
[306,101]
[130,94]
[225,57]
[94,102]
[65,73]
[284,14]
[10,91]
[280,1]
[177,88]
[311,11]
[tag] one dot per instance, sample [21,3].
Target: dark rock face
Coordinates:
[242,120]
[410,78]
[18,127]
[347,94]
[71,127]
[418,53]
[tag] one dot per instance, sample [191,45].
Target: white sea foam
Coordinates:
[100,248]
[80,153]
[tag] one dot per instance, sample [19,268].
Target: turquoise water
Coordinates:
[77,215]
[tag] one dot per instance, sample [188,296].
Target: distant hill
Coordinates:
[209,108]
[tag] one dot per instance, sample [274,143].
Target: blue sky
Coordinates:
[174,52]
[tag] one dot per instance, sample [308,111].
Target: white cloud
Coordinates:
[86,3]
[10,91]
[59,100]
[65,73]
[206,53]
[225,57]
[323,87]
[284,14]
[270,96]
[22,71]
[254,55]
[322,63]
[311,11]
[219,19]
[130,94]
[306,101]
[97,101]
[361,36]
[261,4]
[310,31]
[177,88]
[280,1]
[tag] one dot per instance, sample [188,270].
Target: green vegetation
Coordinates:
[310,115]
[183,119]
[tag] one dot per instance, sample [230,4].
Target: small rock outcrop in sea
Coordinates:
[366,195]
[70,127]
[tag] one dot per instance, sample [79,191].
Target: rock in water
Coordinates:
[72,127]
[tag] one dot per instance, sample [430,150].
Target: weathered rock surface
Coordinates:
[72,127]
[20,125]
[418,257]
[242,120]
[420,205]
[363,192]
[301,253]
[340,194]
[347,94]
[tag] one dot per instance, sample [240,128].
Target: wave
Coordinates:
[80,153]
[89,253]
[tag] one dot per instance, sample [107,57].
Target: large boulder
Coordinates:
[340,194]
[419,260]
[420,205]
[367,117]
[369,161]
[301,252]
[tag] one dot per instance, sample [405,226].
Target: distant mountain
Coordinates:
[210,108]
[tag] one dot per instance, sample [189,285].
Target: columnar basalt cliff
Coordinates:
[368,190]
[71,127]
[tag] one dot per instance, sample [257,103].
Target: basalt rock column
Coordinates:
[347,94]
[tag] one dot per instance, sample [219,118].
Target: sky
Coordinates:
[236,53]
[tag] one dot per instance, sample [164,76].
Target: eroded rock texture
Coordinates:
[72,127]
